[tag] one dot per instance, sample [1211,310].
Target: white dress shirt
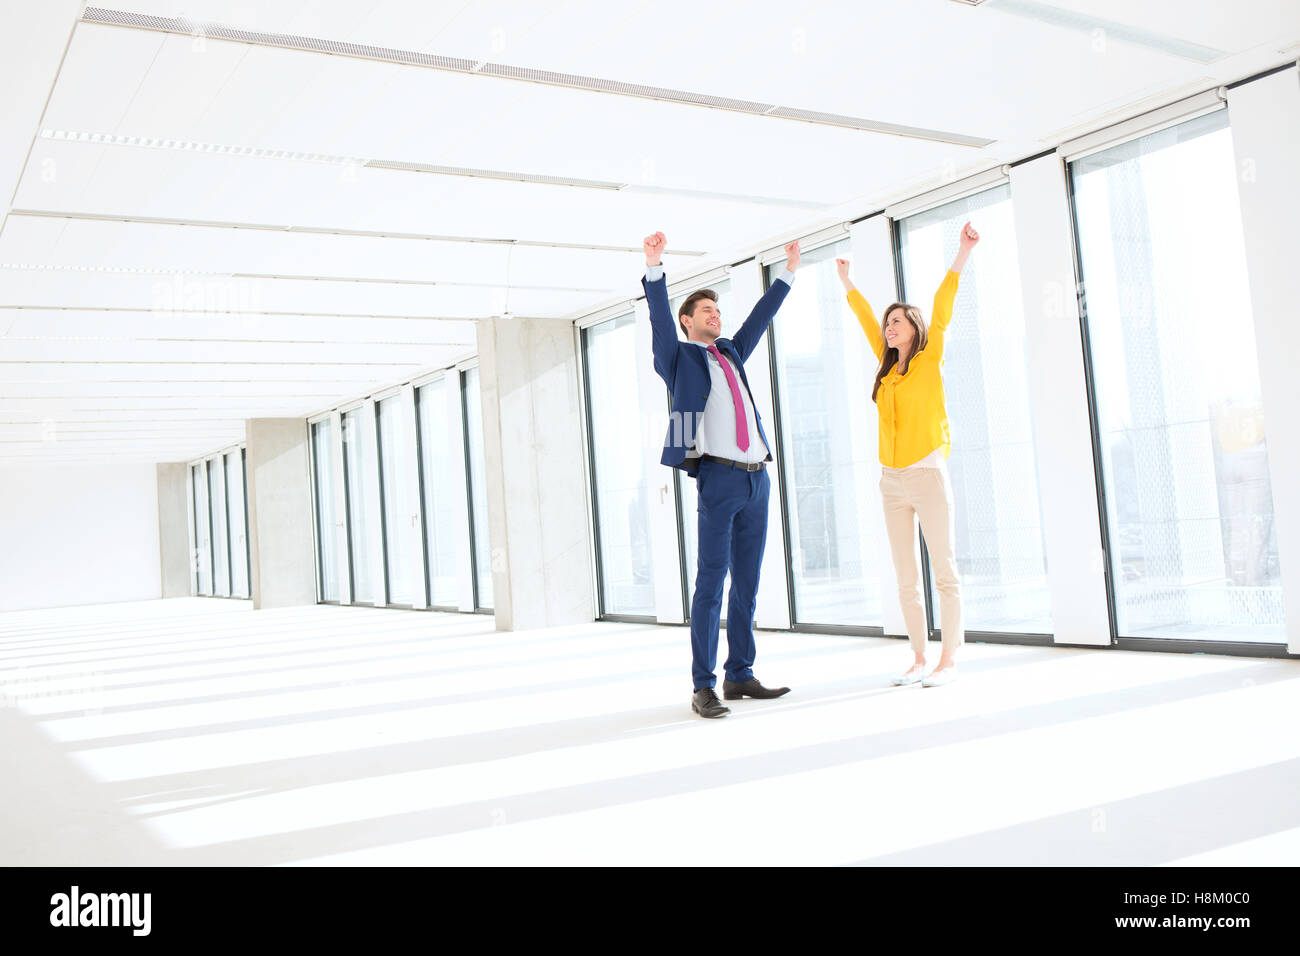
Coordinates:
[715,432]
[716,429]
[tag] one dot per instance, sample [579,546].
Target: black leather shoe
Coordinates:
[733,690]
[705,703]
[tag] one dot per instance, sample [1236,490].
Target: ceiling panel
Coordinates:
[433,116]
[883,61]
[574,275]
[148,183]
[101,73]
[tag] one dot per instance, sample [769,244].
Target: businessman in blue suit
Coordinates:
[716,436]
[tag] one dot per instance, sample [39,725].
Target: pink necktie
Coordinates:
[742,430]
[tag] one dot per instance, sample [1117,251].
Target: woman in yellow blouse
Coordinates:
[914,447]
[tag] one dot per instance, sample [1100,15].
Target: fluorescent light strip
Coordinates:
[330,231]
[77,338]
[727,197]
[159,427]
[259,152]
[491,174]
[425,282]
[225,363]
[286,397]
[188,341]
[441,345]
[54,267]
[143,435]
[175,381]
[48,422]
[241,313]
[264,152]
[192,28]
[189,146]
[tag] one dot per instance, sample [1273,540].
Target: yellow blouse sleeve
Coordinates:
[867,319]
[941,314]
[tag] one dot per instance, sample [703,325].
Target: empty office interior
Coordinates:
[335,529]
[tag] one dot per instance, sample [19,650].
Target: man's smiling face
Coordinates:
[706,324]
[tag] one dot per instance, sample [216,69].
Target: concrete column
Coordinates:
[174,529]
[535,475]
[281,539]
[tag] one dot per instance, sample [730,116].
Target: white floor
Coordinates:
[200,732]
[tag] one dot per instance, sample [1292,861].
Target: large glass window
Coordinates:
[359,467]
[236,522]
[1189,504]
[220,523]
[202,530]
[396,467]
[403,498]
[999,538]
[824,373]
[478,488]
[220,542]
[626,576]
[327,522]
[443,503]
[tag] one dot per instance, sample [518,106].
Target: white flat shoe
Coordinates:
[937,678]
[909,678]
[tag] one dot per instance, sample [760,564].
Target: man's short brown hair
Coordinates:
[688,307]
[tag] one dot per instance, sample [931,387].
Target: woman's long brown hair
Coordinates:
[890,356]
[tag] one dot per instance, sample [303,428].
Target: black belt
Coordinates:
[742,465]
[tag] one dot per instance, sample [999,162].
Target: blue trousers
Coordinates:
[732,531]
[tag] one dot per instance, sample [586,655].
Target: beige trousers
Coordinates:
[925,494]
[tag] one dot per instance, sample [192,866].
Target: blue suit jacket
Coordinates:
[685,366]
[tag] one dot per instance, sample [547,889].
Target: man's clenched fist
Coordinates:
[654,248]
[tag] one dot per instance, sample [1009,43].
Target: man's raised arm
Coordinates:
[751,331]
[663,332]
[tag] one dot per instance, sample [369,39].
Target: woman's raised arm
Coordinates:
[941,313]
[861,308]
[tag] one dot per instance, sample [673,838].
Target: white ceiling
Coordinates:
[154,296]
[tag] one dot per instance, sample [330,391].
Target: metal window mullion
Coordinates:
[463,383]
[594,483]
[778,440]
[1094,422]
[383,504]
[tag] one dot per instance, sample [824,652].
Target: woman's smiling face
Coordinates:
[900,333]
